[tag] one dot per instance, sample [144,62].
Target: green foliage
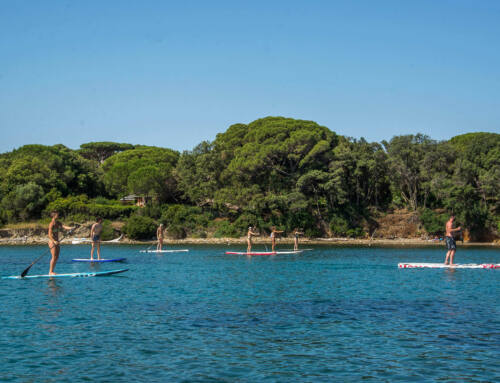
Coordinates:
[82,208]
[190,218]
[274,171]
[144,171]
[100,151]
[138,227]
[339,225]
[49,167]
[24,202]
[224,229]
[176,231]
[108,232]
[434,223]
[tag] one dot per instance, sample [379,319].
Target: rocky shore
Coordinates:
[42,239]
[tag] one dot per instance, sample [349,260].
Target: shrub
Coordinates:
[433,222]
[108,232]
[190,218]
[339,225]
[176,232]
[81,208]
[138,227]
[226,230]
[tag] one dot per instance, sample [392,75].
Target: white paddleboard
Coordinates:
[165,251]
[70,275]
[443,266]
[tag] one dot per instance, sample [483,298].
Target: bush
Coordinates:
[81,208]
[190,218]
[339,225]
[138,227]
[433,222]
[176,232]
[108,232]
[226,230]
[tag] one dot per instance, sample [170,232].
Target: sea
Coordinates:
[329,314]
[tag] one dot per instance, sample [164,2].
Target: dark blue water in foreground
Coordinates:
[332,314]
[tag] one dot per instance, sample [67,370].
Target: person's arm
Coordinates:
[457,229]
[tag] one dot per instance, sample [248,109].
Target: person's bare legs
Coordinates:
[92,251]
[447,257]
[273,244]
[452,254]
[296,244]
[54,250]
[98,249]
[249,245]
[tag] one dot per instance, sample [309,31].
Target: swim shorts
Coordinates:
[96,238]
[450,243]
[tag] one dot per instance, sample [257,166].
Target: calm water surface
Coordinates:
[332,314]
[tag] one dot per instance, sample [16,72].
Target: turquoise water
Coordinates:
[332,314]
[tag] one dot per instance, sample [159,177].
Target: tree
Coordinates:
[100,151]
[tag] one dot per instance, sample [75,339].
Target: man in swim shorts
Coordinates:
[95,236]
[450,241]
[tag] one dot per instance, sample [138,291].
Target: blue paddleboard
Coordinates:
[98,260]
[70,275]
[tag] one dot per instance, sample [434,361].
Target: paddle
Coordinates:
[25,272]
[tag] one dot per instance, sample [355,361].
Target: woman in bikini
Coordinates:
[55,227]
[296,234]
[159,237]
[250,233]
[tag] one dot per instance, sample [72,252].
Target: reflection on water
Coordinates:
[54,288]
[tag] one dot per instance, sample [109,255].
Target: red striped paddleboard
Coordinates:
[263,252]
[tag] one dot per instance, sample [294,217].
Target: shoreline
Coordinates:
[397,242]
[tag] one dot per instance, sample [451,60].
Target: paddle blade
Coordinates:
[23,274]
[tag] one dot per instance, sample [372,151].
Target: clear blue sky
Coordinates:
[173,73]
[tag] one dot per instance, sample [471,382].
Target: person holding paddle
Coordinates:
[159,236]
[450,241]
[296,234]
[273,237]
[95,236]
[55,227]
[250,234]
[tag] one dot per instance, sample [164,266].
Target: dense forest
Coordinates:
[272,172]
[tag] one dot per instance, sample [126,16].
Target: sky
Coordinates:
[176,73]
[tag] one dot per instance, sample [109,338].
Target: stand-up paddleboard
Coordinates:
[263,252]
[165,251]
[443,266]
[98,260]
[79,241]
[71,275]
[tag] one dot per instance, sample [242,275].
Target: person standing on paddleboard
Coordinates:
[159,236]
[250,233]
[55,227]
[95,236]
[274,232]
[296,234]
[450,241]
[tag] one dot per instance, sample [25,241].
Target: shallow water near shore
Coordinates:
[331,314]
